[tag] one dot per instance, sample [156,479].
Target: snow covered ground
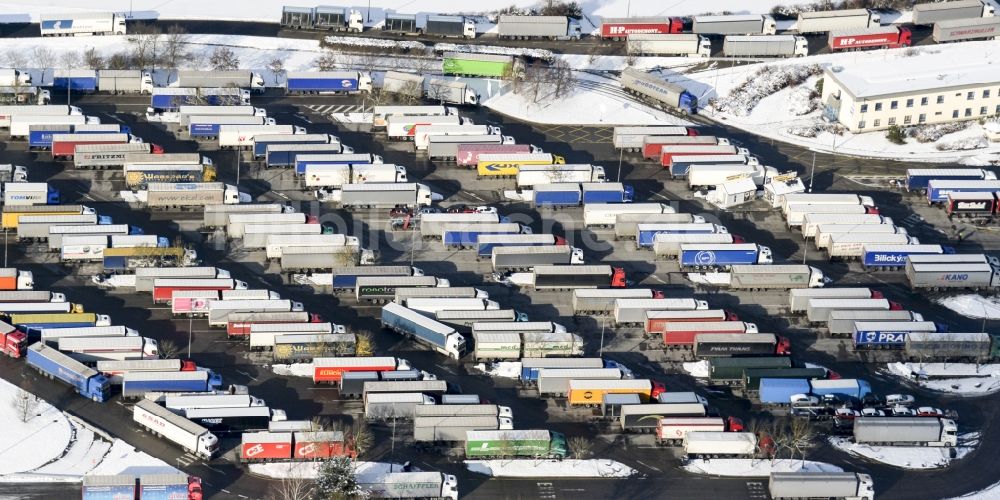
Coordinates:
[751,467]
[962,379]
[269,11]
[293,370]
[501,369]
[310,470]
[697,369]
[973,306]
[54,447]
[784,114]
[550,468]
[990,493]
[910,457]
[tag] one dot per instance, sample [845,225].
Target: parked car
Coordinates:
[899,399]
[872,412]
[901,411]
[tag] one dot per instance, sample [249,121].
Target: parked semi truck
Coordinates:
[505,346]
[836,20]
[965,29]
[734,25]
[217,78]
[885,37]
[528,27]
[327,82]
[380,195]
[410,485]
[410,323]
[570,277]
[906,431]
[661,92]
[322,18]
[190,436]
[840,485]
[81,23]
[51,363]
[669,45]
[786,276]
[765,46]
[159,195]
[481,65]
[945,11]
[443,91]
[625,28]
[516,443]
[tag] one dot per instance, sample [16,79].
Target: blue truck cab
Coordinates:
[53,364]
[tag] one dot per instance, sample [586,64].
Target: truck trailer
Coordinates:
[840,485]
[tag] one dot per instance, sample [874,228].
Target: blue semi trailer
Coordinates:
[918,178]
[327,82]
[716,256]
[645,234]
[893,257]
[88,382]
[938,189]
[137,384]
[261,142]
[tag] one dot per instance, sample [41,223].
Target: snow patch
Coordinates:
[381,43]
[973,306]
[310,470]
[909,457]
[501,369]
[765,82]
[123,458]
[550,468]
[963,379]
[540,54]
[698,369]
[293,370]
[752,467]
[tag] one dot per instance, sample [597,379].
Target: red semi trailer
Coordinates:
[886,37]
[621,28]
[64,145]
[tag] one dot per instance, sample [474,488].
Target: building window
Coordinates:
[923,101]
[982,110]
[861,124]
[940,99]
[954,114]
[878,106]
[893,104]
[970,95]
[968,112]
[877,123]
[892,121]
[909,103]
[922,118]
[906,120]
[864,108]
[986,94]
[997,112]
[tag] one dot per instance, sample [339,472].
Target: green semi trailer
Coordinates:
[515,443]
[479,65]
[729,371]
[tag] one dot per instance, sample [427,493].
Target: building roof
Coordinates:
[917,74]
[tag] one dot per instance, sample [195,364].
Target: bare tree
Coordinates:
[93,59]
[143,42]
[327,61]
[168,349]
[411,92]
[173,46]
[224,59]
[119,60]
[43,57]
[561,78]
[15,59]
[800,436]
[361,438]
[24,404]
[69,59]
[277,67]
[367,59]
[580,447]
[293,486]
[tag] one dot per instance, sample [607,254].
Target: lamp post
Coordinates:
[190,332]
[812,172]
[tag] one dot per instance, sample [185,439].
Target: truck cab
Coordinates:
[704,48]
[355,21]
[573,31]
[764,255]
[801,47]
[576,256]
[816,278]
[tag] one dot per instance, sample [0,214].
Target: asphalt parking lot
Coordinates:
[300,399]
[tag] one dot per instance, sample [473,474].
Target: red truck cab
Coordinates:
[194,488]
[156,149]
[692,132]
[877,294]
[618,278]
[559,240]
[737,239]
[14,343]
[657,389]
[895,306]
[784,346]
[871,210]
[730,316]
[188,365]
[734,424]
[905,37]
[658,294]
